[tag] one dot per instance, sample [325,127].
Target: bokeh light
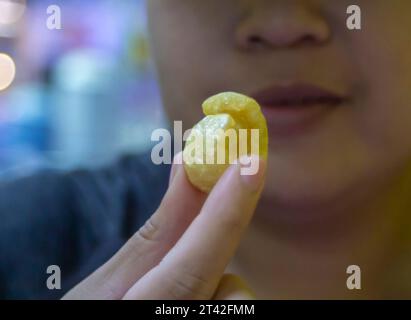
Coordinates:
[7,71]
[11,11]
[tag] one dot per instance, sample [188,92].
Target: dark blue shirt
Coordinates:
[75,220]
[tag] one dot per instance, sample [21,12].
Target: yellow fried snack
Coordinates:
[228,126]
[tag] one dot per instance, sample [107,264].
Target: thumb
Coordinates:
[232,287]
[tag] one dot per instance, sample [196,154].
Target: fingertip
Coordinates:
[180,190]
[233,287]
[252,172]
[248,171]
[177,161]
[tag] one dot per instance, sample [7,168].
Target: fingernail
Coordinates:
[252,171]
[173,172]
[177,161]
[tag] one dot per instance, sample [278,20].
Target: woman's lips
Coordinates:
[293,109]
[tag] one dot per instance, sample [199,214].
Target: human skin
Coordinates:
[335,194]
[182,251]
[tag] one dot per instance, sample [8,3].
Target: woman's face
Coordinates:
[327,152]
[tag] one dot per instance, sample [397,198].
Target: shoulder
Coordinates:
[132,182]
[72,219]
[129,190]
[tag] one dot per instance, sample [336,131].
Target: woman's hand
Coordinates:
[183,249]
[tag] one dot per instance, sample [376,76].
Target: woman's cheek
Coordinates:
[385,118]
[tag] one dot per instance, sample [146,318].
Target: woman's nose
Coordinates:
[281,24]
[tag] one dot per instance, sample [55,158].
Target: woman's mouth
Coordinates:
[293,109]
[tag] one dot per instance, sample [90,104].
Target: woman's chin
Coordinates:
[301,186]
[303,201]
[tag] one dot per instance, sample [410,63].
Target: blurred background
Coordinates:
[76,96]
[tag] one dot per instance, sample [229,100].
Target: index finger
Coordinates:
[195,265]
